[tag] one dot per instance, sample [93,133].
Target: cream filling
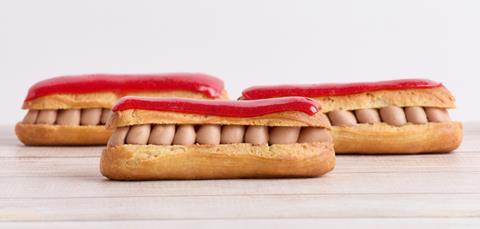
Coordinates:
[215,134]
[74,117]
[392,115]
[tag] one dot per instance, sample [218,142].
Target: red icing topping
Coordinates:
[333,89]
[241,108]
[124,83]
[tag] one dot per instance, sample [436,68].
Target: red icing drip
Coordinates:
[124,83]
[332,89]
[241,108]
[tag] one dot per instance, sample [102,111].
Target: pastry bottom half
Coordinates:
[151,162]
[381,138]
[49,135]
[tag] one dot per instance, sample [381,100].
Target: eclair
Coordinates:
[178,138]
[72,110]
[387,117]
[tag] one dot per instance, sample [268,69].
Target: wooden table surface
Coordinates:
[62,187]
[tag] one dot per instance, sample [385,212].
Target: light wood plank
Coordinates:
[37,152]
[242,207]
[305,223]
[361,183]
[89,166]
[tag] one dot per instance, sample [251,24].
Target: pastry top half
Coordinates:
[288,111]
[353,96]
[102,90]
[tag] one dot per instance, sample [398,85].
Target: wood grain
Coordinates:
[305,223]
[241,207]
[58,187]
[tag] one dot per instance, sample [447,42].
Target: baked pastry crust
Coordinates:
[101,99]
[430,97]
[41,134]
[288,118]
[381,138]
[149,162]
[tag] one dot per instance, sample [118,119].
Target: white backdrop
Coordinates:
[244,42]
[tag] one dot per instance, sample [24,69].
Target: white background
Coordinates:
[244,42]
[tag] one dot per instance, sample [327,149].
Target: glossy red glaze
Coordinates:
[124,83]
[333,89]
[241,108]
